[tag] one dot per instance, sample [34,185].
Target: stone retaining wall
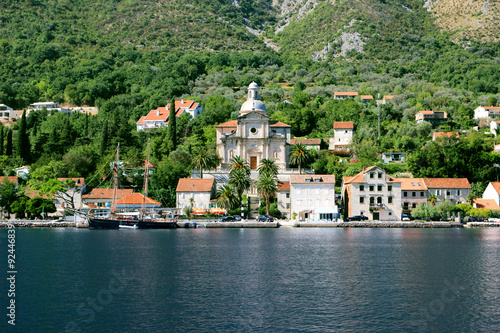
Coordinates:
[38,224]
[379,224]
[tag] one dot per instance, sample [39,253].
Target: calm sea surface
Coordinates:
[255,280]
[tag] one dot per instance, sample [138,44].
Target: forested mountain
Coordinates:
[129,57]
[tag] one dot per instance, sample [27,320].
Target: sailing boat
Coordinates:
[152,223]
[111,222]
[120,220]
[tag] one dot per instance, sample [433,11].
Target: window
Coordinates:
[448,192]
[405,194]
[372,187]
[253,130]
[458,192]
[372,200]
[287,195]
[438,192]
[379,200]
[421,194]
[371,175]
[231,154]
[389,188]
[361,187]
[361,199]
[379,175]
[379,188]
[275,154]
[413,194]
[389,200]
[414,205]
[390,213]
[287,206]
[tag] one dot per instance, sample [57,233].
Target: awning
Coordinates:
[327,211]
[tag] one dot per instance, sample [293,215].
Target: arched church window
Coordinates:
[231,153]
[275,154]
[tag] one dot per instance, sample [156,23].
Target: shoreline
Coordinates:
[285,223]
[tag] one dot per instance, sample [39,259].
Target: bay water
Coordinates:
[254,280]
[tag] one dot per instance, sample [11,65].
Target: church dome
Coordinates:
[253,102]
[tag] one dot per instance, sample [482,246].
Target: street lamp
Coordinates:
[242,209]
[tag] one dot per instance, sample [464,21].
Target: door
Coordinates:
[253,162]
[376,216]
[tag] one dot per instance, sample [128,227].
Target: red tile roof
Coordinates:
[10,179]
[162,113]
[78,181]
[283,186]
[359,177]
[141,121]
[447,183]
[136,199]
[195,185]
[343,125]
[366,96]
[346,93]
[388,96]
[279,124]
[412,184]
[107,193]
[445,135]
[491,107]
[486,204]
[230,123]
[305,179]
[306,141]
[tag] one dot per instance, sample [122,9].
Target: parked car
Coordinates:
[473,219]
[407,217]
[265,218]
[356,218]
[227,219]
[237,217]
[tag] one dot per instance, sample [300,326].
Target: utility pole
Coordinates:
[378,105]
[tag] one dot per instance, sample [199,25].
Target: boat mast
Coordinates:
[115,185]
[146,177]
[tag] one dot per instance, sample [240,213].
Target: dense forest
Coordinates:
[129,57]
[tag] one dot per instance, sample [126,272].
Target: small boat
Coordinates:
[124,226]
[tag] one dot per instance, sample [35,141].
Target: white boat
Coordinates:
[128,226]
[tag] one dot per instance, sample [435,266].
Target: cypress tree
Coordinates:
[104,139]
[172,126]
[23,140]
[1,140]
[8,149]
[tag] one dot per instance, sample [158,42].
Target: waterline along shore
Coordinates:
[253,224]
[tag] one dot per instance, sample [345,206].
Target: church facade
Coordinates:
[253,136]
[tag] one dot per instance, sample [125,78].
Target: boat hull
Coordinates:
[157,225]
[96,223]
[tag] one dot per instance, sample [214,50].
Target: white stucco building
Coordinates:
[253,136]
[490,112]
[342,137]
[492,192]
[312,197]
[7,113]
[195,192]
[159,117]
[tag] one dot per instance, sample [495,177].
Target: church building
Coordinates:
[253,136]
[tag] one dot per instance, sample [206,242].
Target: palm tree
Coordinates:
[299,155]
[268,165]
[226,198]
[205,159]
[238,162]
[191,201]
[240,181]
[267,186]
[432,199]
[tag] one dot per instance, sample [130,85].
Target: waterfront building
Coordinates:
[283,199]
[413,193]
[372,193]
[454,189]
[195,192]
[312,197]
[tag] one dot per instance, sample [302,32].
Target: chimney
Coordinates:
[157,112]
[182,101]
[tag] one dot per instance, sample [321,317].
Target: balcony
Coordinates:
[376,206]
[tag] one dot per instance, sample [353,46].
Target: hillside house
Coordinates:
[434,117]
[312,197]
[134,203]
[372,193]
[51,108]
[23,172]
[345,94]
[492,191]
[7,114]
[343,132]
[195,192]
[366,98]
[448,136]
[159,117]
[308,143]
[490,112]
[396,157]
